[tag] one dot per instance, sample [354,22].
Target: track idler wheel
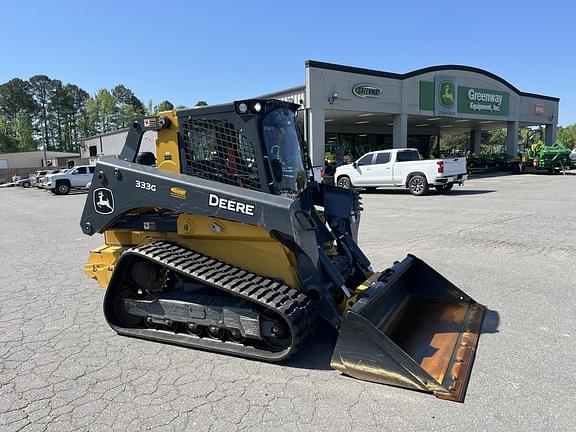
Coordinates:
[126,319]
[214,332]
[194,329]
[235,336]
[279,336]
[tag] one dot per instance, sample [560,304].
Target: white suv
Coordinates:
[75,178]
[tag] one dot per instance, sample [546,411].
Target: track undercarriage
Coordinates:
[164,292]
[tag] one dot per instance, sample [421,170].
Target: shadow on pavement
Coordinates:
[489,174]
[317,352]
[74,192]
[469,192]
[491,322]
[454,192]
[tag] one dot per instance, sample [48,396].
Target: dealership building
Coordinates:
[351,111]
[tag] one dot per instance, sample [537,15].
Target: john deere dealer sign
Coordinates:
[445,101]
[482,101]
[446,98]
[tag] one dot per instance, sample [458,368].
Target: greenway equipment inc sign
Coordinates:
[446,96]
[481,101]
[366,90]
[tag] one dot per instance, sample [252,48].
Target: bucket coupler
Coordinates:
[411,328]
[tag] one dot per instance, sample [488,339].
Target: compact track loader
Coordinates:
[223,241]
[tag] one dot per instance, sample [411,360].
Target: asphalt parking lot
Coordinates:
[507,241]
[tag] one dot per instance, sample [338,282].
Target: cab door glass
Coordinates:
[365,160]
[382,158]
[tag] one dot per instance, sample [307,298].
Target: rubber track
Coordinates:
[292,305]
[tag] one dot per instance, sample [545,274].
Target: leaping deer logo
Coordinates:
[447,94]
[103,201]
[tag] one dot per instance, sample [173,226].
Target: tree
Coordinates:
[16,96]
[496,141]
[164,106]
[567,135]
[152,109]
[454,143]
[56,108]
[7,142]
[23,131]
[71,106]
[43,91]
[128,106]
[100,111]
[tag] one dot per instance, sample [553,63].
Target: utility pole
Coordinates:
[45,158]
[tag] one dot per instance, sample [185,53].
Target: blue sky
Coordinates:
[217,51]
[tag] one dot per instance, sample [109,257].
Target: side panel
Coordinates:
[127,186]
[245,246]
[119,187]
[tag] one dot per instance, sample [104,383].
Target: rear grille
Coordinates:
[216,150]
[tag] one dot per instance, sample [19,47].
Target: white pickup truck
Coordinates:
[402,168]
[75,178]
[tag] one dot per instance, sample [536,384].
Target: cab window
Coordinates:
[81,170]
[91,169]
[365,160]
[407,156]
[382,158]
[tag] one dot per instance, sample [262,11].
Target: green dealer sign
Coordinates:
[469,100]
[481,101]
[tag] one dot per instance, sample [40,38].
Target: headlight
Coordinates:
[242,108]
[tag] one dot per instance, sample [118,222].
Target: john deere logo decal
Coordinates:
[103,199]
[447,94]
[366,90]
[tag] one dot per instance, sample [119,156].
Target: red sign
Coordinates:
[538,109]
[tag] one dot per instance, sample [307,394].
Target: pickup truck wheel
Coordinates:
[26,184]
[62,188]
[418,185]
[344,182]
[444,188]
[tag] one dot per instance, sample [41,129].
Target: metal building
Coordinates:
[33,159]
[111,143]
[352,110]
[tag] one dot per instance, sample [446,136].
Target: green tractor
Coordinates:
[554,158]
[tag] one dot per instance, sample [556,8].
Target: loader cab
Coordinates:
[252,144]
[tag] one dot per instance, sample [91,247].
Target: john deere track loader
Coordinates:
[223,242]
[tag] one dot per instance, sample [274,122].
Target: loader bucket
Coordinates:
[411,328]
